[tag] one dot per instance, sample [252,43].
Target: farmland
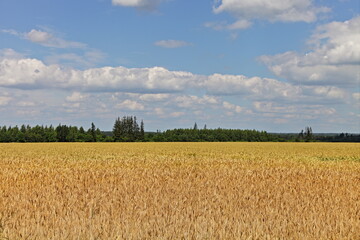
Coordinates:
[180,191]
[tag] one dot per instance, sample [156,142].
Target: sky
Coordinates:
[277,65]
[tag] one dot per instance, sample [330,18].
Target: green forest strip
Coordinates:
[127,129]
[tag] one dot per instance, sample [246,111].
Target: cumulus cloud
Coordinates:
[143,4]
[241,85]
[155,84]
[334,57]
[256,88]
[130,105]
[232,107]
[161,92]
[191,101]
[33,73]
[276,10]
[171,43]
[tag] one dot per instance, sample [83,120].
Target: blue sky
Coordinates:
[269,65]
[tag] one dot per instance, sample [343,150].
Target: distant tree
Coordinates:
[61,133]
[4,134]
[195,126]
[300,137]
[142,131]
[308,134]
[93,132]
[50,134]
[126,129]
[117,130]
[72,135]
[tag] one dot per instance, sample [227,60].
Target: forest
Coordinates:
[127,129]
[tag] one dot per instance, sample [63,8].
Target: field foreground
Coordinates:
[180,191]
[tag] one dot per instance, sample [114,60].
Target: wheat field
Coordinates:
[180,191]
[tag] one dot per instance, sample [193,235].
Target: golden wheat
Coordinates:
[180,191]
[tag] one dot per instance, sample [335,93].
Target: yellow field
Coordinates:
[180,191]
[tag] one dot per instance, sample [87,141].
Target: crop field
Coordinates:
[180,191]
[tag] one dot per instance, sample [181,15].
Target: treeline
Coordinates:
[127,129]
[342,137]
[211,135]
[319,137]
[61,133]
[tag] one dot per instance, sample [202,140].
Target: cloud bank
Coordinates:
[319,85]
[27,73]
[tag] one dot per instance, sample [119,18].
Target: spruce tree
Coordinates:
[142,131]
[93,132]
[117,130]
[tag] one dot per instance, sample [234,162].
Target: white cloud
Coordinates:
[356,96]
[242,85]
[293,111]
[25,104]
[32,73]
[333,59]
[143,4]
[276,10]
[171,43]
[10,53]
[341,47]
[45,38]
[159,111]
[191,101]
[11,31]
[4,100]
[240,24]
[130,105]
[256,88]
[49,40]
[76,97]
[326,92]
[155,84]
[232,107]
[71,105]
[177,114]
[88,59]
[28,112]
[160,92]
[154,97]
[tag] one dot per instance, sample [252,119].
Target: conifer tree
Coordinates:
[93,132]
